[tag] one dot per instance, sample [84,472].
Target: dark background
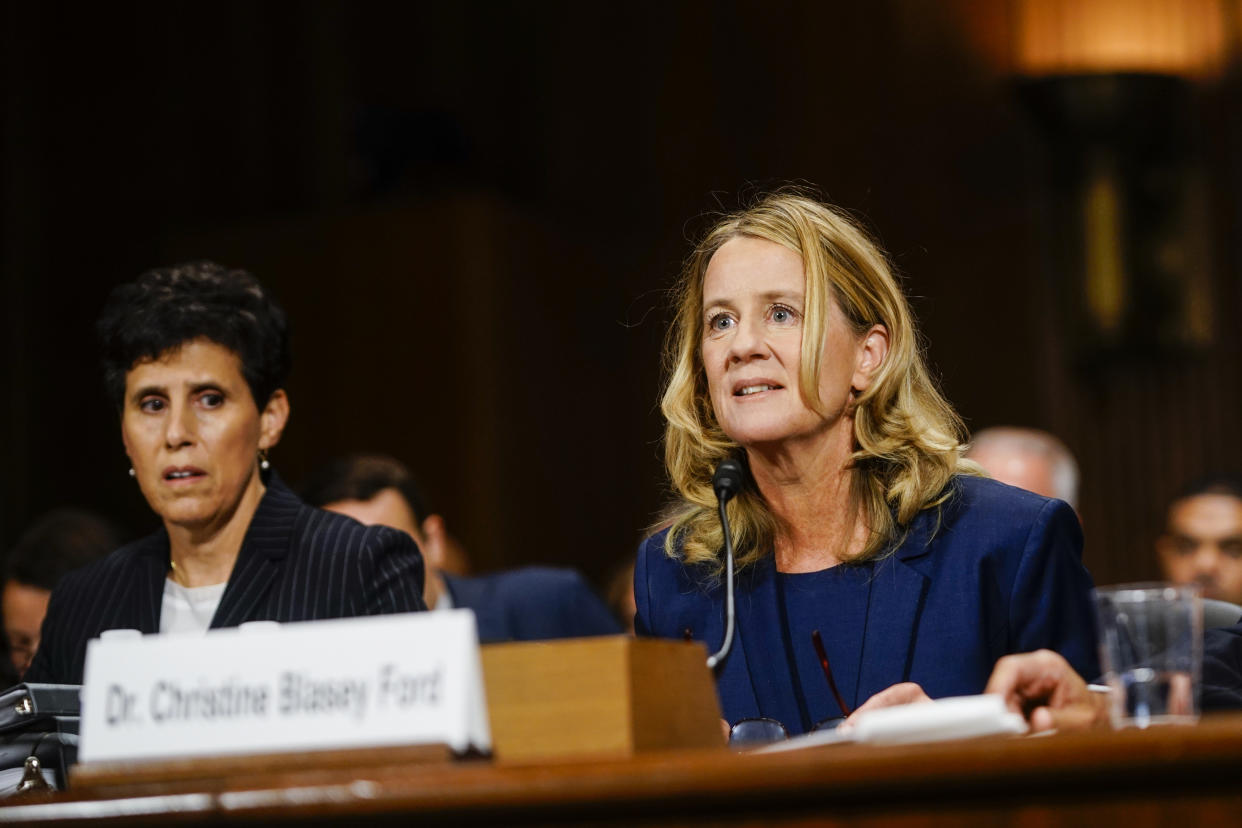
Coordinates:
[472,212]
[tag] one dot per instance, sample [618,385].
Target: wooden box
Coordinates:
[598,697]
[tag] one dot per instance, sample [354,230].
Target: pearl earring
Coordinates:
[263,463]
[132,473]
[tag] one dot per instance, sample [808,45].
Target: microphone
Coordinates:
[726,482]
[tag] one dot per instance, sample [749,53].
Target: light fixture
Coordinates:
[1072,37]
[1112,84]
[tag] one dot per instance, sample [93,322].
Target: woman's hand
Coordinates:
[1042,686]
[905,693]
[1045,689]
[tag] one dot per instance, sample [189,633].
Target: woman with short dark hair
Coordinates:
[195,359]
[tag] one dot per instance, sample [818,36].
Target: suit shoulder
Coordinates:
[653,554]
[345,536]
[663,574]
[981,499]
[541,578]
[984,492]
[654,543]
[1011,528]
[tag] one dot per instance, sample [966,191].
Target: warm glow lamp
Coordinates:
[1111,82]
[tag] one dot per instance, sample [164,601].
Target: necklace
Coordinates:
[176,572]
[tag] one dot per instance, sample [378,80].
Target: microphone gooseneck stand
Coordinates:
[726,482]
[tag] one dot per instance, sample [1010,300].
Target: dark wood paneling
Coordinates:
[503,267]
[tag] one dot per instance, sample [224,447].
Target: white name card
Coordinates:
[383,680]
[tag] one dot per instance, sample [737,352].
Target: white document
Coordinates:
[414,678]
[943,720]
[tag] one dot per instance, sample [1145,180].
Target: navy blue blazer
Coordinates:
[532,604]
[995,570]
[296,563]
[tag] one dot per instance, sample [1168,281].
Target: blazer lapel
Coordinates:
[897,596]
[261,557]
[759,635]
[152,571]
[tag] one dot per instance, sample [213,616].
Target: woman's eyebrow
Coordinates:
[787,295]
[767,296]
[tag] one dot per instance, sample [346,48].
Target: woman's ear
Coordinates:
[872,351]
[273,418]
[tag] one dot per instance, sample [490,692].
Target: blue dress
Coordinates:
[995,570]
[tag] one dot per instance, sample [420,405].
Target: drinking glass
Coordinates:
[1151,650]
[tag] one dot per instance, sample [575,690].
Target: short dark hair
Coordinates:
[362,477]
[167,307]
[58,543]
[1218,484]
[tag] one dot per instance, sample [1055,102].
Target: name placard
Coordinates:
[383,680]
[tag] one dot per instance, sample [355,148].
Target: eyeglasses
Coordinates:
[762,730]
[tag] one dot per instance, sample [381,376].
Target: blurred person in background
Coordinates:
[56,544]
[195,359]
[1202,539]
[1029,459]
[620,594]
[527,604]
[859,525]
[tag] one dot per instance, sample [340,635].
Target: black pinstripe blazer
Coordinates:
[297,563]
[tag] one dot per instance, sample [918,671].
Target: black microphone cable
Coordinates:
[726,482]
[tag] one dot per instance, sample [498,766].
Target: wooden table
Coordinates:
[1182,776]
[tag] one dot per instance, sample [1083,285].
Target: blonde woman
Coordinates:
[859,523]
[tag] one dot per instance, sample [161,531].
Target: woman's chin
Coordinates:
[771,436]
[760,440]
[758,431]
[187,515]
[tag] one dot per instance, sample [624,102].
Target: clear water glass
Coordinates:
[1151,650]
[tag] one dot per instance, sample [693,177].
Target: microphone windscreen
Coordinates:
[727,481]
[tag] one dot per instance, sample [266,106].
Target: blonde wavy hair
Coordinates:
[908,440]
